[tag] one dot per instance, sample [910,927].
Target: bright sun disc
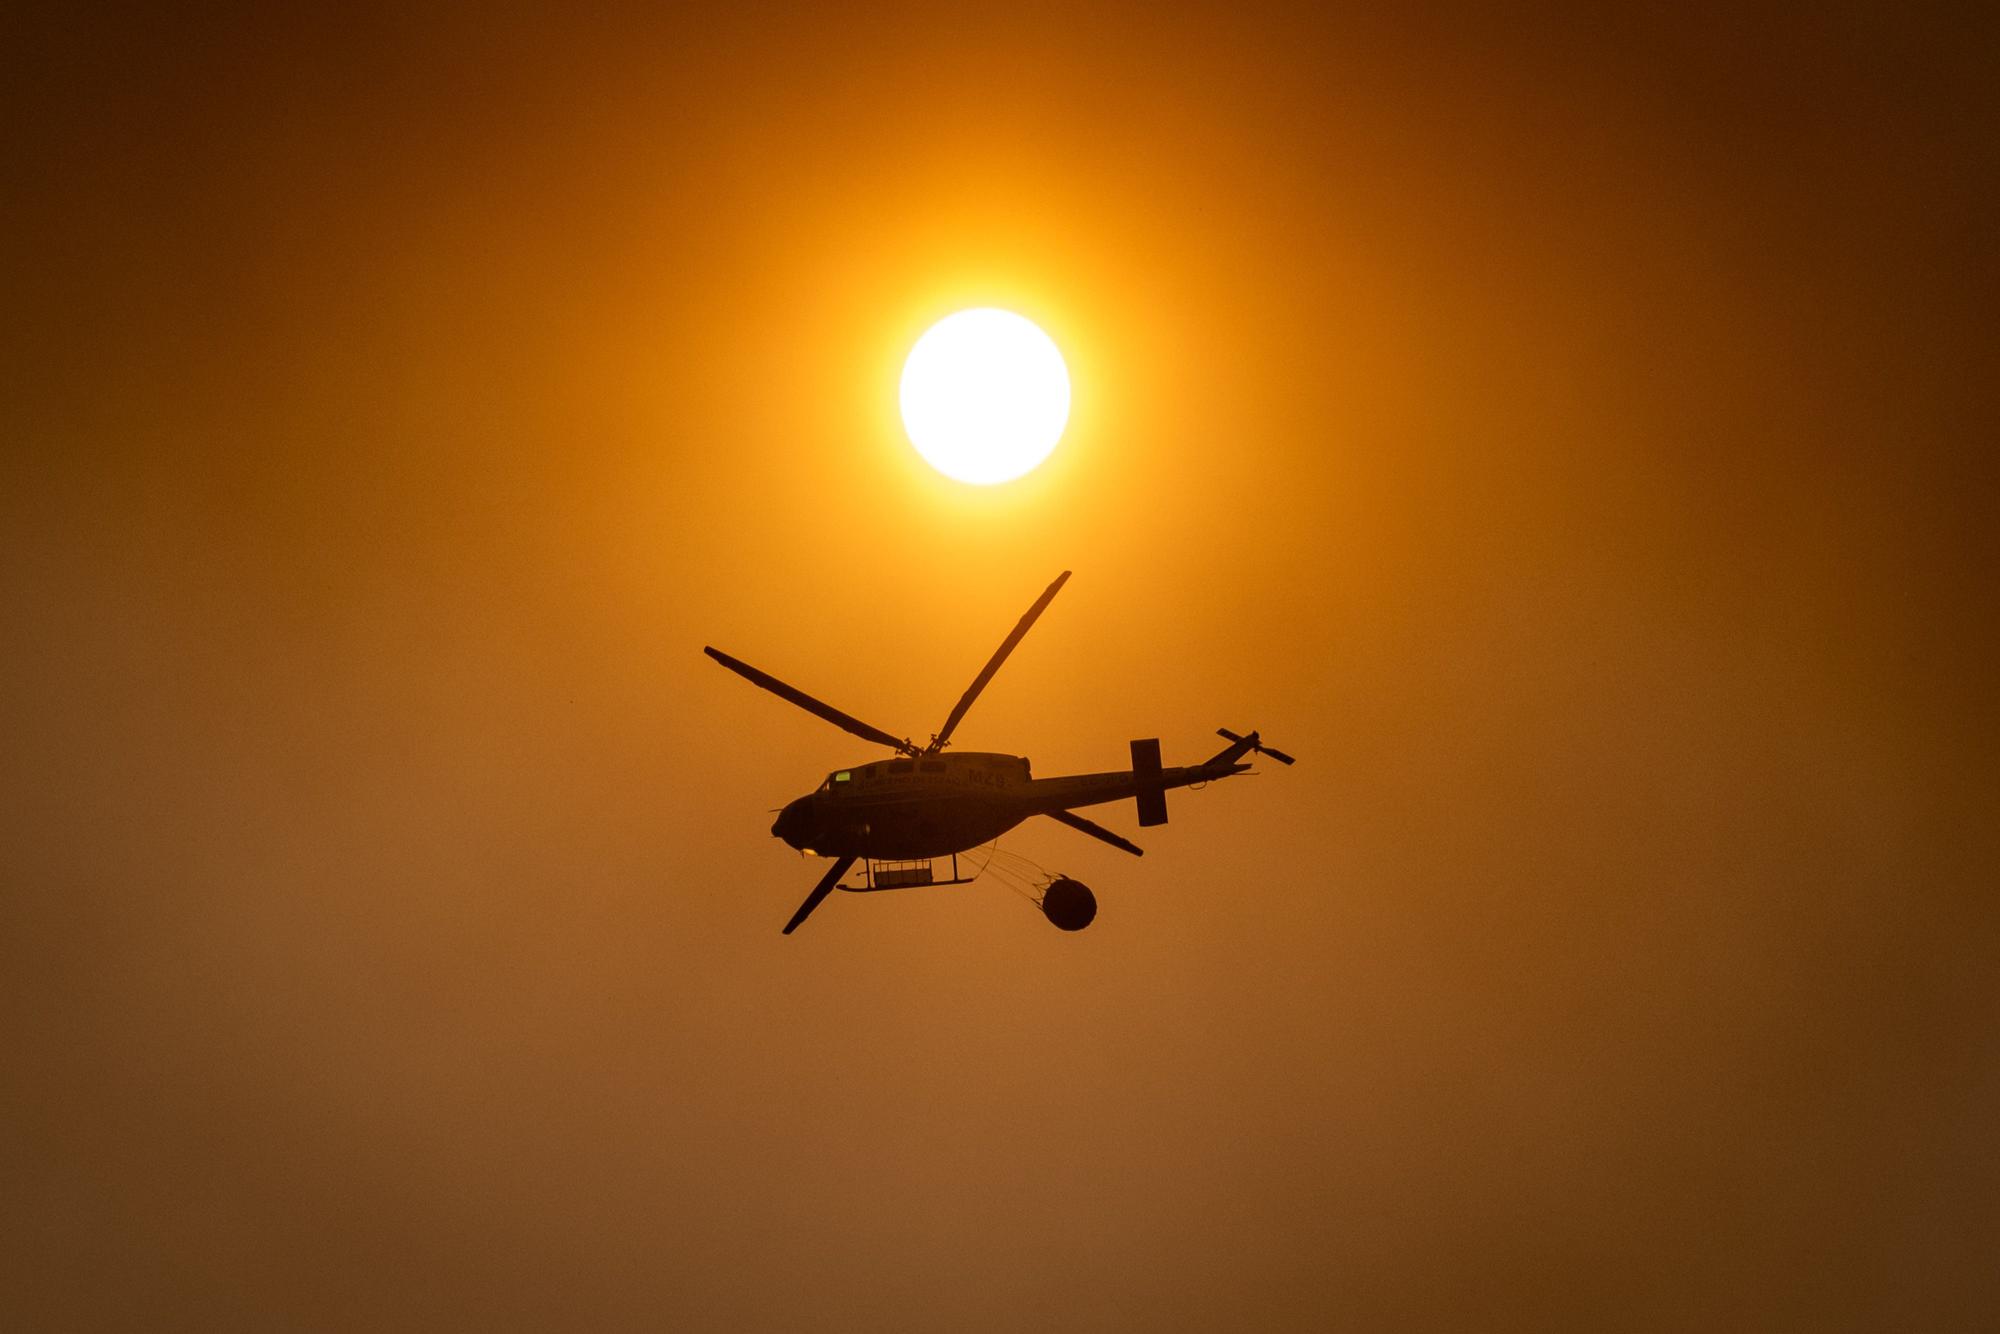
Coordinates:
[985,396]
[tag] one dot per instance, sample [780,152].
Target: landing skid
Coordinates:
[920,873]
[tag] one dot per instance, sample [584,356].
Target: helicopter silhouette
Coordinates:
[900,815]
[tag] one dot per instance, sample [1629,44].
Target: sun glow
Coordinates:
[985,396]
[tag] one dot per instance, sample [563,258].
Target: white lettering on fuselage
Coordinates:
[901,787]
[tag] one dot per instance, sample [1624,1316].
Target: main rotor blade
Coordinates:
[1081,825]
[809,704]
[993,663]
[820,891]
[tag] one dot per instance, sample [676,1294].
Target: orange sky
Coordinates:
[1569,436]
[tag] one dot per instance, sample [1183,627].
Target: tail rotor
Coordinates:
[1241,744]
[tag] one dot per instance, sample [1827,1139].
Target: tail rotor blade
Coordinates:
[820,891]
[1251,742]
[993,664]
[845,721]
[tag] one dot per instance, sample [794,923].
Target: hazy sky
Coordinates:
[1571,435]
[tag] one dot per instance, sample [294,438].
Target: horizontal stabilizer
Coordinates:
[1151,797]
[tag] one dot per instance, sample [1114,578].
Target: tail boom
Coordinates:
[1147,781]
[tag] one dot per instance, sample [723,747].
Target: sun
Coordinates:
[985,395]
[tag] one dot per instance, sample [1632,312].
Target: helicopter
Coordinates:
[899,816]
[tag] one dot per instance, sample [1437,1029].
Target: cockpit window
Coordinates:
[901,766]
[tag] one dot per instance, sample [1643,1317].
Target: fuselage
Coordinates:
[935,805]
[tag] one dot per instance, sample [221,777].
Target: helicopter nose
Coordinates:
[791,822]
